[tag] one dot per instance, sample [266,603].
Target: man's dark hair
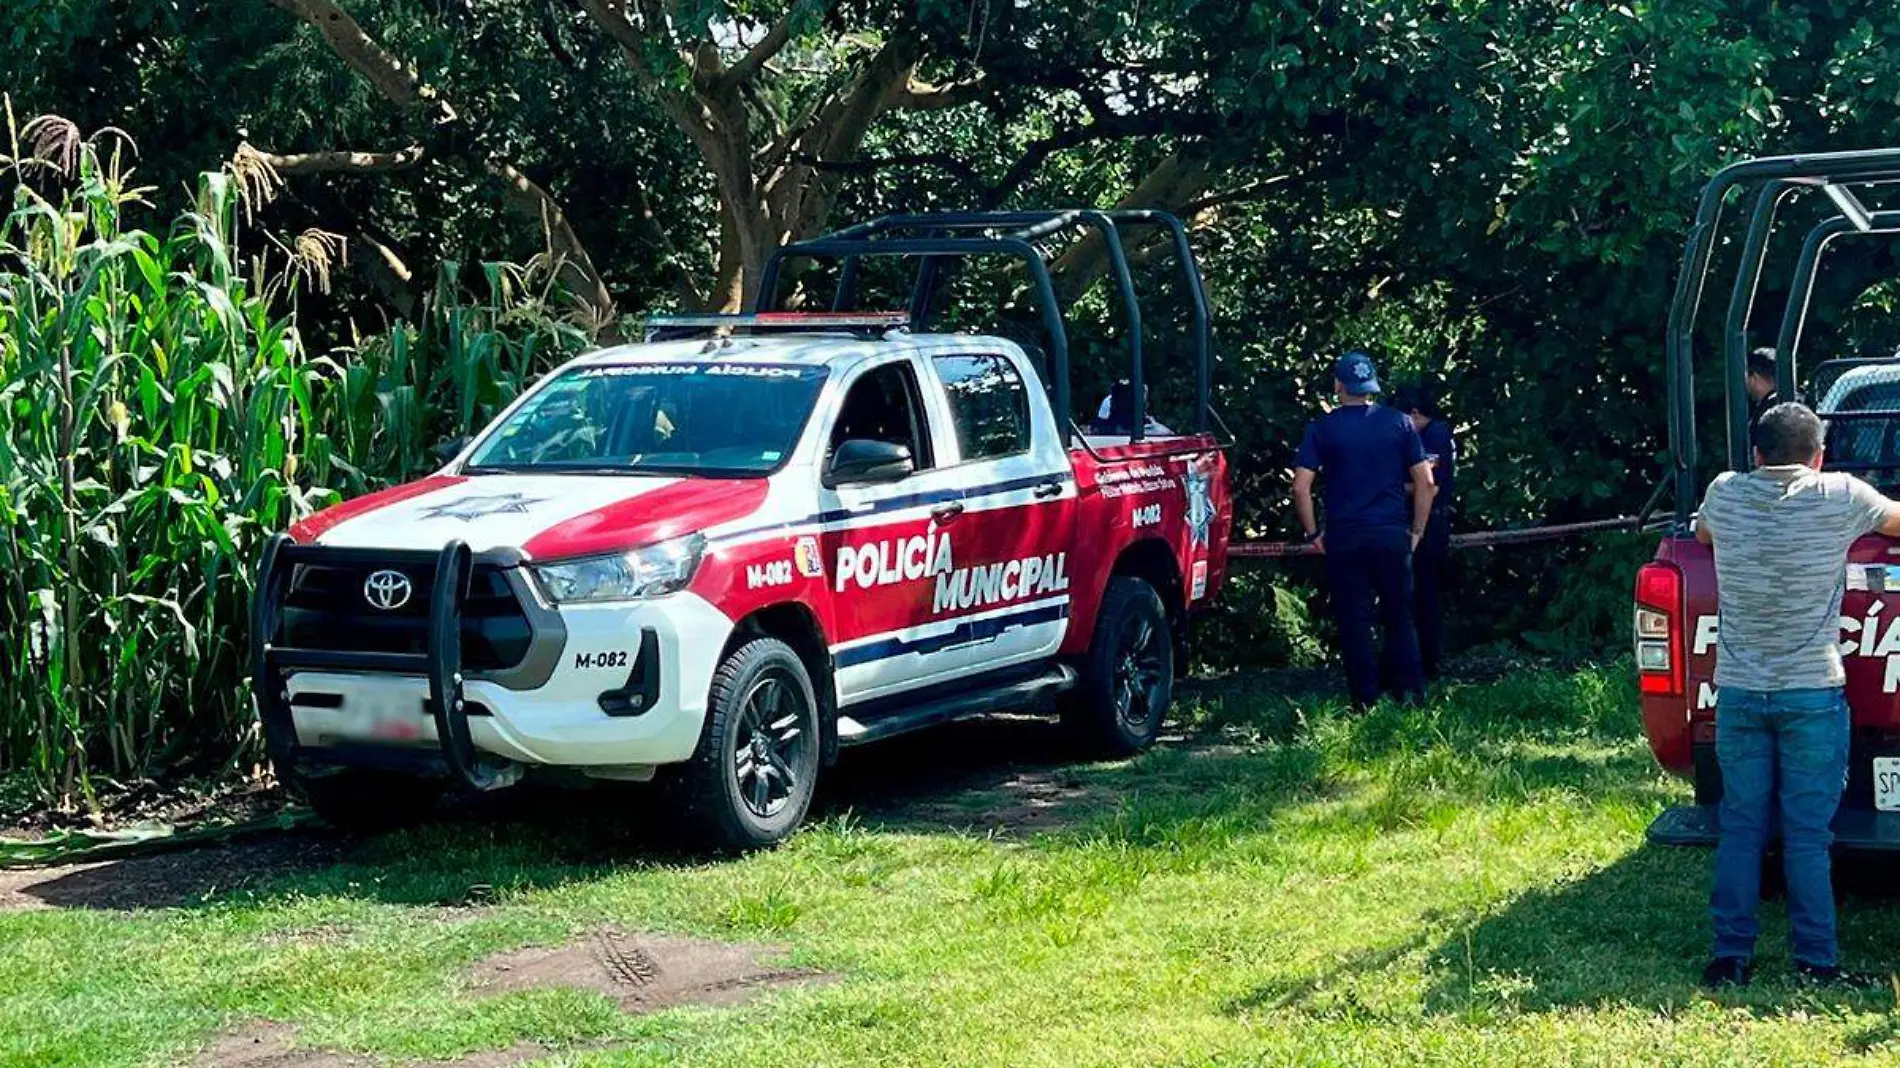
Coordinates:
[1761,363]
[1788,433]
[1419,397]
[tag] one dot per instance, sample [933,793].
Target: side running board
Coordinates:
[908,712]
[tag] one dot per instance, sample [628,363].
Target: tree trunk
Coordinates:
[400,85]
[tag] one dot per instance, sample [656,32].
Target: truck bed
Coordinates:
[1682,729]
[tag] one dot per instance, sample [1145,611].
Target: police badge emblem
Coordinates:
[1200,505]
[478,505]
[805,553]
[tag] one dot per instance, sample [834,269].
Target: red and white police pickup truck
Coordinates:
[717,558]
[1676,620]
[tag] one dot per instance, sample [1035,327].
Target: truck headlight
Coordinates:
[653,571]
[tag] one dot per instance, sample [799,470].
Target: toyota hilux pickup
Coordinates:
[717,556]
[1677,623]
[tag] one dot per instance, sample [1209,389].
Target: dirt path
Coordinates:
[1010,775]
[639,972]
[169,880]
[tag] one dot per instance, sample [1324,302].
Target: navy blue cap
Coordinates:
[1356,375]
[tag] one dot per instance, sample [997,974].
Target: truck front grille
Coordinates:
[327,607]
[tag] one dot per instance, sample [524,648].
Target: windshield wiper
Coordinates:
[677,470]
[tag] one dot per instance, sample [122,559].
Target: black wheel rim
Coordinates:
[770,746]
[1140,673]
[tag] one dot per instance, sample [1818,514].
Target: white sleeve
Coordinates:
[1102,412]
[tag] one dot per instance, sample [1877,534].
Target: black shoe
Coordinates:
[1834,976]
[1725,972]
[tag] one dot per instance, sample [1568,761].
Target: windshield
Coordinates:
[674,418]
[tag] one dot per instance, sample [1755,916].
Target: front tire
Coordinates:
[751,781]
[1127,676]
[370,801]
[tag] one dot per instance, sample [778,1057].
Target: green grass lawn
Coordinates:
[1283,885]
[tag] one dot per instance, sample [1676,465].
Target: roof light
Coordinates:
[815,320]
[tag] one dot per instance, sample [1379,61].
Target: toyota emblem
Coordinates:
[387,590]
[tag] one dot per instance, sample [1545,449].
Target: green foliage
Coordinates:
[395,396]
[153,404]
[1265,617]
[161,414]
[1488,192]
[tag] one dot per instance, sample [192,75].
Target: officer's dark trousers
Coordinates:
[1371,577]
[1428,609]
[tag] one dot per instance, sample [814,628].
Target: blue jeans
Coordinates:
[1790,746]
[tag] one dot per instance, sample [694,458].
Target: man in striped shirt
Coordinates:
[1781,534]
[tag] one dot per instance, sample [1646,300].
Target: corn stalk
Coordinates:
[158,417]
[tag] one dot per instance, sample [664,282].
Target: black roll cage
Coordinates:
[1834,173]
[933,237]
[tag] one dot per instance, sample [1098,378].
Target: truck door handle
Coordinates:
[944,513]
[1045,490]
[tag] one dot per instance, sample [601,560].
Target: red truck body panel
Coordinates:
[1870,646]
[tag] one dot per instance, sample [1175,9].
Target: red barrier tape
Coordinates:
[1267,549]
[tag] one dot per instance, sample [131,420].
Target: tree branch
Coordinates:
[527,199]
[402,86]
[388,75]
[959,169]
[388,255]
[1172,182]
[678,278]
[611,16]
[352,162]
[1253,191]
[549,23]
[805,197]
[1105,128]
[918,96]
[714,122]
[777,36]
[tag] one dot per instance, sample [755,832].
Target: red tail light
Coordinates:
[1660,630]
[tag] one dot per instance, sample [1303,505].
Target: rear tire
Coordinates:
[752,778]
[1127,675]
[370,801]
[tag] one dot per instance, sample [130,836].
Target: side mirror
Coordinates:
[864,460]
[450,449]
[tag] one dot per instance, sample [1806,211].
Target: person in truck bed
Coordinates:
[1781,534]
[1760,384]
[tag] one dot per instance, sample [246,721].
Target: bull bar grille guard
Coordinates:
[441,664]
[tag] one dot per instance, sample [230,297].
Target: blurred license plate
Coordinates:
[391,717]
[1887,784]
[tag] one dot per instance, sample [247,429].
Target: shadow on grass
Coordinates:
[1632,935]
[182,879]
[1295,993]
[1252,748]
[1013,776]
[1636,933]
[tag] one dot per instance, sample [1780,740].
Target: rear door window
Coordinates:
[989,404]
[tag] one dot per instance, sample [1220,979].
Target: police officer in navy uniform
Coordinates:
[1370,455]
[1420,403]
